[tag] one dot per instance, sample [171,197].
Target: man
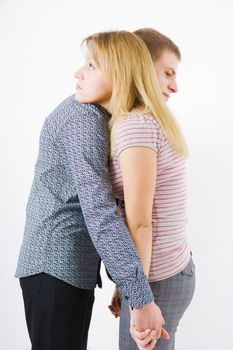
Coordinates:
[71,223]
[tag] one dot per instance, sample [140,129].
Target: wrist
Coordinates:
[143,307]
[137,291]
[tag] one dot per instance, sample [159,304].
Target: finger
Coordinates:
[148,346]
[151,345]
[114,301]
[158,334]
[114,308]
[119,303]
[165,335]
[151,337]
[113,311]
[139,335]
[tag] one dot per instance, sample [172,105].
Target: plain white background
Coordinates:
[40,49]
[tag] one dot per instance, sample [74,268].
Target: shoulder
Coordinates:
[71,108]
[138,123]
[138,130]
[72,113]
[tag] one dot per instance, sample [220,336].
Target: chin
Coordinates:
[79,98]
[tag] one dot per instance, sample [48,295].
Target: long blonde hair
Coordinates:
[126,62]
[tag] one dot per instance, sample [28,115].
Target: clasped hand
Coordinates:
[146,325]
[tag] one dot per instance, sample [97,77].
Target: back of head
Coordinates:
[157,43]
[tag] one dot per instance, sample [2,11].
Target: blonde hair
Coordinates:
[126,62]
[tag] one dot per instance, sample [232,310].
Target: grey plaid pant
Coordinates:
[173,295]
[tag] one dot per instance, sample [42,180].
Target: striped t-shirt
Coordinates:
[170,250]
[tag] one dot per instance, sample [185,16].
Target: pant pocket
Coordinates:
[31,285]
[189,270]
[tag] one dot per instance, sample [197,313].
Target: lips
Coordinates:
[78,87]
[166,95]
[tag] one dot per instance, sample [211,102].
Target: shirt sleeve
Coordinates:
[86,143]
[138,131]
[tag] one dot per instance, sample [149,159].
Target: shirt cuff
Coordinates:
[137,291]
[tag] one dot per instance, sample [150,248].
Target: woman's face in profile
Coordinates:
[92,85]
[166,70]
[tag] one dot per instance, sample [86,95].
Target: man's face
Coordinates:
[166,69]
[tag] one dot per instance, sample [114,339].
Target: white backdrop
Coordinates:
[39,42]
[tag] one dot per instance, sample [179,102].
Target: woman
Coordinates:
[147,167]
[166,56]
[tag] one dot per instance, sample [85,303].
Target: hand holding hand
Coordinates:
[149,317]
[145,340]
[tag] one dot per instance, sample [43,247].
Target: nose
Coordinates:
[173,87]
[79,74]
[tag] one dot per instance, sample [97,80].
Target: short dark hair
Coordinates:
[157,43]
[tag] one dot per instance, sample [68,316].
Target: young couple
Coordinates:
[110,185]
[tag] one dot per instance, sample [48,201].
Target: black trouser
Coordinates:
[58,315]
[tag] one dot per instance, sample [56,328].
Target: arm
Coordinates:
[138,167]
[137,142]
[85,140]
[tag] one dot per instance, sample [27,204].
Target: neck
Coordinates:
[106,105]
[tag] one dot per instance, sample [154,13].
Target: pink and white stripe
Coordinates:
[170,250]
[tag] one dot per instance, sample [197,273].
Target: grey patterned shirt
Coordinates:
[71,217]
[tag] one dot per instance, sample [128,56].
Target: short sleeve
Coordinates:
[138,131]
